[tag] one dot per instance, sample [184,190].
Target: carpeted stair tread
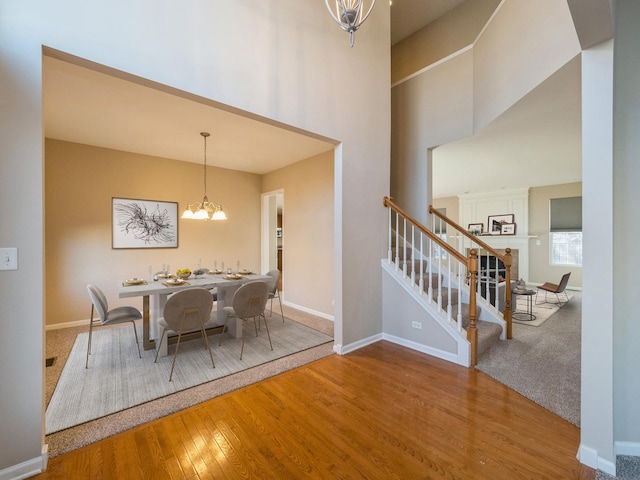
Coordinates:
[488,335]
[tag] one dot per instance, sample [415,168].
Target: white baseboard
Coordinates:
[448,356]
[344,349]
[628,448]
[589,457]
[76,323]
[309,310]
[28,468]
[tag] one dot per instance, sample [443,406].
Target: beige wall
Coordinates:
[80,181]
[307,226]
[540,269]
[452,204]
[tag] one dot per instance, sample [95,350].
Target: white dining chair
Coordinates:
[109,317]
[186,311]
[249,301]
[274,291]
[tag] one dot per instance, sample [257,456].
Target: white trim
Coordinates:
[326,316]
[75,323]
[589,457]
[444,355]
[627,448]
[352,347]
[27,468]
[264,227]
[454,54]
[433,65]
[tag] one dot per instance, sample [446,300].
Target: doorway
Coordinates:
[273,233]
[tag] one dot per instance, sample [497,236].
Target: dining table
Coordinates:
[156,291]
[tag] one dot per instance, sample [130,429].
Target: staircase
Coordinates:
[440,282]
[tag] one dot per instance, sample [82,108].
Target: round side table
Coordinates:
[526,316]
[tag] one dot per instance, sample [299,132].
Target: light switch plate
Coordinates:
[8,258]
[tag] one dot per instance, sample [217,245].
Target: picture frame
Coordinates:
[139,223]
[508,229]
[495,222]
[476,227]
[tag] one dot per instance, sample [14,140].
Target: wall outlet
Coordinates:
[417,325]
[8,258]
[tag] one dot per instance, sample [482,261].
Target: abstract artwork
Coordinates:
[144,223]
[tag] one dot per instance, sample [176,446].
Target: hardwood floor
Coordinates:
[382,412]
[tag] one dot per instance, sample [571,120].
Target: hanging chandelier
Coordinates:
[349,14]
[204,210]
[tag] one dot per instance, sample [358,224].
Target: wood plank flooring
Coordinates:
[382,412]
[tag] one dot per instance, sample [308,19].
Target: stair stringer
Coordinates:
[403,303]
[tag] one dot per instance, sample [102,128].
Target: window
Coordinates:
[565,227]
[566,248]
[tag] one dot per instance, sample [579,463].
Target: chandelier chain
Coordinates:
[205,164]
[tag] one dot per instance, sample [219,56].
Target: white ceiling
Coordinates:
[530,144]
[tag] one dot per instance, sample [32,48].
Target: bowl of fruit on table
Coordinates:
[183,273]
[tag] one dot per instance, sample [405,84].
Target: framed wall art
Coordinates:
[476,228]
[495,223]
[143,223]
[508,229]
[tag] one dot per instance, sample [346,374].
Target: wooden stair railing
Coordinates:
[471,263]
[506,258]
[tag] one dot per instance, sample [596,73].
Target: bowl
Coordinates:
[184,276]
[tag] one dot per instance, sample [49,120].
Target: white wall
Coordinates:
[284,64]
[430,109]
[524,44]
[596,409]
[626,263]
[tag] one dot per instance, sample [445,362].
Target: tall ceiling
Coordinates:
[409,16]
[86,106]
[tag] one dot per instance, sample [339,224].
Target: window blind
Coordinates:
[565,214]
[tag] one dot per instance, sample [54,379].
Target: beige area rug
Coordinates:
[541,311]
[117,379]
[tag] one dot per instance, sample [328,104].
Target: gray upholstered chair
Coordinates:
[557,289]
[249,301]
[186,311]
[274,291]
[109,317]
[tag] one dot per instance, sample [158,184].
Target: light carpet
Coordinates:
[542,311]
[543,364]
[117,379]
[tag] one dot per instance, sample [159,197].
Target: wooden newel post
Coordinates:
[472,330]
[507,292]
